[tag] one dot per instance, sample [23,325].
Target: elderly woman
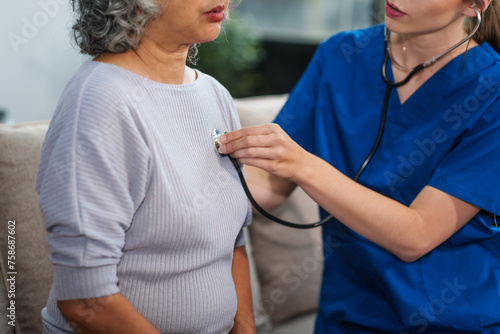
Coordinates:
[144,219]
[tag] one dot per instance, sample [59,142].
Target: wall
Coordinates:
[36,57]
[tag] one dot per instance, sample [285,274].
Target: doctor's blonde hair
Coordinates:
[489,31]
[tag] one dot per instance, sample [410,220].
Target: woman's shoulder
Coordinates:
[489,57]
[96,93]
[208,82]
[480,71]
[100,81]
[487,48]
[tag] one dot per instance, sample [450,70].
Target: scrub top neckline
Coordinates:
[470,64]
[437,86]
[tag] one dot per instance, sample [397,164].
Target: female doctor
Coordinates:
[419,244]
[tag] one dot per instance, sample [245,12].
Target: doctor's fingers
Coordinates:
[268,153]
[265,164]
[264,129]
[265,158]
[259,140]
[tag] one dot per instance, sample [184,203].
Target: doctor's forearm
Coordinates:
[408,232]
[390,224]
[268,190]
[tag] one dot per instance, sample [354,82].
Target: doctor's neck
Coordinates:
[411,49]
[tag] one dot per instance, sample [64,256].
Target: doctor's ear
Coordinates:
[480,5]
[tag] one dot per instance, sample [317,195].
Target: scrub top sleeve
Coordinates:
[471,170]
[296,117]
[89,189]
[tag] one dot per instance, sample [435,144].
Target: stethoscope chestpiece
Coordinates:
[215,139]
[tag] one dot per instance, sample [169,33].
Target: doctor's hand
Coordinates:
[267,147]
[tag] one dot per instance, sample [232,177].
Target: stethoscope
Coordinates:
[216,134]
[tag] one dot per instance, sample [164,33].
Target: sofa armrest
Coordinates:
[19,157]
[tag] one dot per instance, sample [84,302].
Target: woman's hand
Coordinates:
[267,147]
[107,315]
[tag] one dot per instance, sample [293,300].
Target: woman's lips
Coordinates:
[216,14]
[393,11]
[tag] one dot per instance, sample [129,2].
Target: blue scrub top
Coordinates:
[446,135]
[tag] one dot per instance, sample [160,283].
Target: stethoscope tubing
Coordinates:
[264,212]
[355,179]
[385,106]
[378,139]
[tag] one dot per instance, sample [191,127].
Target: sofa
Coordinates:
[286,264]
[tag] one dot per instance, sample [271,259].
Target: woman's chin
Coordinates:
[209,37]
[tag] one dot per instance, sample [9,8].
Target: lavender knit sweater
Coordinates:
[136,200]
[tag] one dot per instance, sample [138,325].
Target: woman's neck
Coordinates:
[155,62]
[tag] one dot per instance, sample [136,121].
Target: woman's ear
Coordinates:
[480,5]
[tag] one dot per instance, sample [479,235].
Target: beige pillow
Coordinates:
[288,261]
[19,156]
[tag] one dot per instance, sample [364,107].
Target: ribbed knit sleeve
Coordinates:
[240,239]
[92,178]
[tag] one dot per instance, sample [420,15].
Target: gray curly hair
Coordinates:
[114,26]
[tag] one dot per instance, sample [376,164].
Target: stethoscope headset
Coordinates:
[390,85]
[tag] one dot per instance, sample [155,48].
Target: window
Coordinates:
[306,21]
[289,32]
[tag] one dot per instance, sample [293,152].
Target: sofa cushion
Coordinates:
[300,325]
[19,155]
[288,262]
